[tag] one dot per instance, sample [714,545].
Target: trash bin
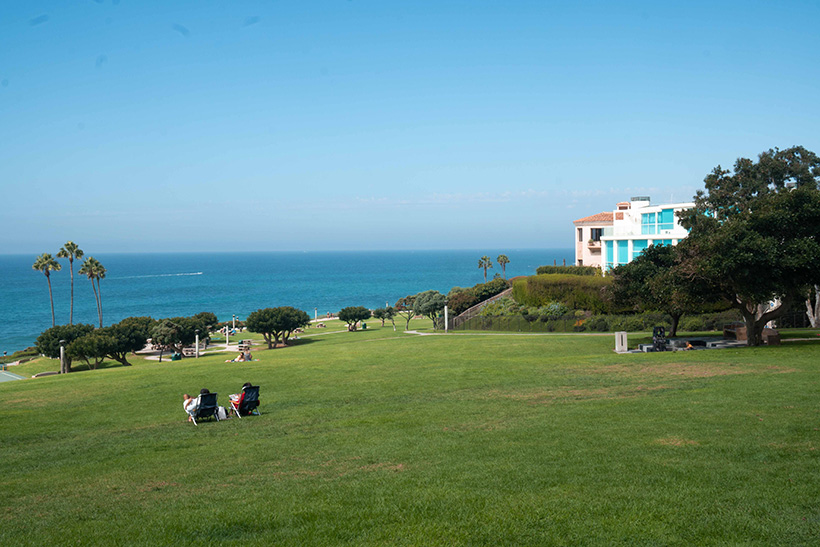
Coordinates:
[364,326]
[176,357]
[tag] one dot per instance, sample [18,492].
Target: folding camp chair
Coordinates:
[250,402]
[206,407]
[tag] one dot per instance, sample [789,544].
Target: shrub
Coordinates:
[571,270]
[573,291]
[460,300]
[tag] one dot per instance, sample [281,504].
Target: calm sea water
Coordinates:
[168,285]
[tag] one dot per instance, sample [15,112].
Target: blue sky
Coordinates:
[230,126]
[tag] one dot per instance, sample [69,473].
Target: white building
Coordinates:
[626,232]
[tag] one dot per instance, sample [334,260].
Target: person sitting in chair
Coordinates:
[189,404]
[239,397]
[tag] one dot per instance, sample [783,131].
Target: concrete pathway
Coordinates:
[9,377]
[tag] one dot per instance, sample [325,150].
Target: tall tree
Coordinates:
[404,307]
[429,304]
[654,280]
[45,263]
[70,251]
[503,261]
[755,234]
[485,262]
[276,323]
[94,271]
[353,314]
[813,311]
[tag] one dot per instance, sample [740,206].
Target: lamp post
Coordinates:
[315,314]
[4,360]
[234,322]
[196,351]
[62,356]
[446,322]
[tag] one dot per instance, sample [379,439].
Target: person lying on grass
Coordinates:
[238,359]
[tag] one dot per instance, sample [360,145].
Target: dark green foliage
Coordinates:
[459,300]
[404,307]
[643,322]
[755,233]
[656,280]
[48,343]
[127,336]
[92,348]
[208,321]
[571,270]
[429,304]
[353,314]
[177,332]
[276,324]
[384,314]
[574,291]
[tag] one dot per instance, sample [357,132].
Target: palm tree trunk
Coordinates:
[71,308]
[99,297]
[51,297]
[96,299]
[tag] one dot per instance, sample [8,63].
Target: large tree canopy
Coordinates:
[276,324]
[429,304]
[48,343]
[755,234]
[655,281]
[353,314]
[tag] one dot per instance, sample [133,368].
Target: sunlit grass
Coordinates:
[382,438]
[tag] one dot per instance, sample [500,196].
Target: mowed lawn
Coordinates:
[383,438]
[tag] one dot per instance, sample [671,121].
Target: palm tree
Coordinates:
[92,269]
[485,262]
[70,251]
[45,263]
[100,271]
[503,261]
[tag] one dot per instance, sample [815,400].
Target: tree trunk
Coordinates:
[120,358]
[50,297]
[755,316]
[99,296]
[673,330]
[267,339]
[813,312]
[71,307]
[97,300]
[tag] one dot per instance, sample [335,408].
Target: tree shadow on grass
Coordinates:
[82,366]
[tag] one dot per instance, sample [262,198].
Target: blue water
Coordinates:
[170,285]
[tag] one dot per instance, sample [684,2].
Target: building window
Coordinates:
[666,219]
[648,226]
[623,252]
[596,233]
[581,235]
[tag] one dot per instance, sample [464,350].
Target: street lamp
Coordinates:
[62,357]
[234,322]
[4,360]
[196,351]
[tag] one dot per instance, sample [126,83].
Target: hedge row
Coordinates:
[574,291]
[571,270]
[460,299]
[579,322]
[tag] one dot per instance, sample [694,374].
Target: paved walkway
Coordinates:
[8,376]
[501,333]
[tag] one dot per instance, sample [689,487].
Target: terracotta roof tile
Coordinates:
[600,217]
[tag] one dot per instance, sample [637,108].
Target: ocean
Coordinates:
[179,284]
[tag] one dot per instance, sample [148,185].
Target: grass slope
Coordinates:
[381,438]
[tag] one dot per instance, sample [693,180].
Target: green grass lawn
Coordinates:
[381,438]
